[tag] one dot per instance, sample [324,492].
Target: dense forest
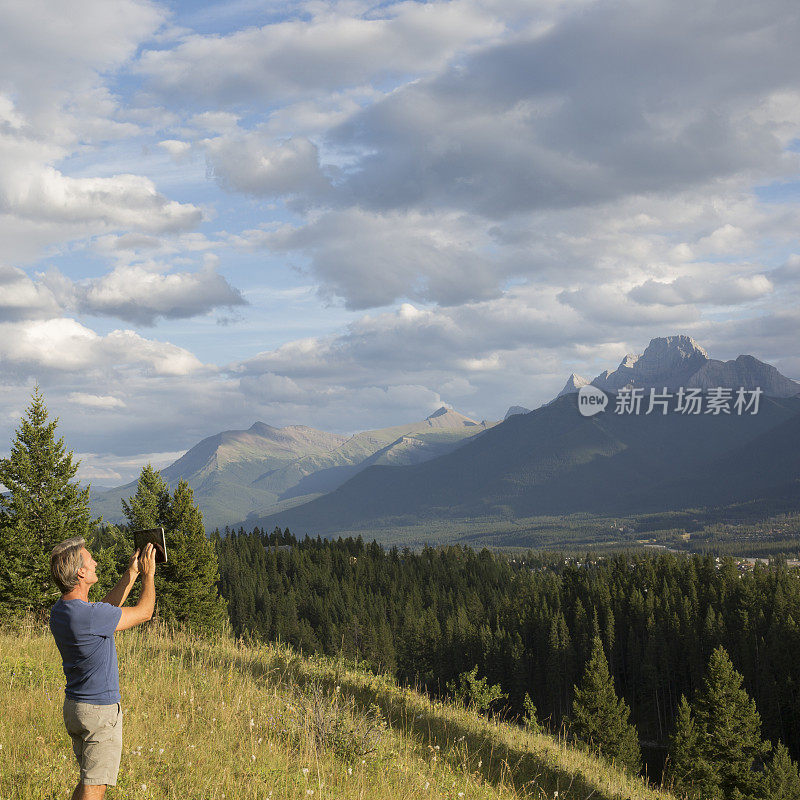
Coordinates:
[528,623]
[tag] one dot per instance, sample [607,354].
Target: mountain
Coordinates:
[574,382]
[554,461]
[222,468]
[675,361]
[516,410]
[744,371]
[238,472]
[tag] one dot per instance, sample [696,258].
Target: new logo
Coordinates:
[591,400]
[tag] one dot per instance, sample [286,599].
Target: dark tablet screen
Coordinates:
[156,537]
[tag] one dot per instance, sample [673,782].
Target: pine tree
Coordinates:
[600,718]
[186,586]
[43,506]
[148,508]
[717,751]
[688,772]
[731,728]
[783,777]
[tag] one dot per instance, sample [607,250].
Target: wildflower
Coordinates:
[309,791]
[427,785]
[144,787]
[305,770]
[251,722]
[349,769]
[253,757]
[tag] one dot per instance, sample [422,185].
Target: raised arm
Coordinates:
[119,594]
[143,610]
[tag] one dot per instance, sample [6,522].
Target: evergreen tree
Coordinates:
[688,773]
[43,506]
[783,777]
[717,751]
[731,729]
[600,718]
[186,586]
[149,507]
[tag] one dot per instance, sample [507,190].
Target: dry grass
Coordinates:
[212,719]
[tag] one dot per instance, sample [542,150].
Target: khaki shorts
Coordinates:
[96,733]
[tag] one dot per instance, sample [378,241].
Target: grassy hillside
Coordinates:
[222,719]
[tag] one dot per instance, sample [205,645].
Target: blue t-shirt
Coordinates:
[84,633]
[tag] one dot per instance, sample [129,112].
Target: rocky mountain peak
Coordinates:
[667,361]
[574,382]
[675,361]
[514,410]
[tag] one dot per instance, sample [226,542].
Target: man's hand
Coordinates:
[143,610]
[147,561]
[133,565]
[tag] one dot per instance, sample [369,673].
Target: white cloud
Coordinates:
[176,148]
[101,402]
[53,50]
[250,163]
[22,298]
[55,61]
[142,295]
[122,201]
[722,291]
[371,259]
[341,45]
[64,345]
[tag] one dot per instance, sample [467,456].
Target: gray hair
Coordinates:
[65,561]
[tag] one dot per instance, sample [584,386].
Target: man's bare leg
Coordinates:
[89,792]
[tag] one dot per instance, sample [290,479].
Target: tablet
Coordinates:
[156,537]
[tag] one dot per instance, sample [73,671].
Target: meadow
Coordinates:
[221,718]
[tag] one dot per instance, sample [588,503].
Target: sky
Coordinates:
[346,215]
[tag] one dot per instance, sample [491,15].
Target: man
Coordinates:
[84,633]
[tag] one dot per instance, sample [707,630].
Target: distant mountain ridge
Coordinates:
[545,461]
[553,461]
[234,473]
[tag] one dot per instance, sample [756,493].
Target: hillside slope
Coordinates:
[283,727]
